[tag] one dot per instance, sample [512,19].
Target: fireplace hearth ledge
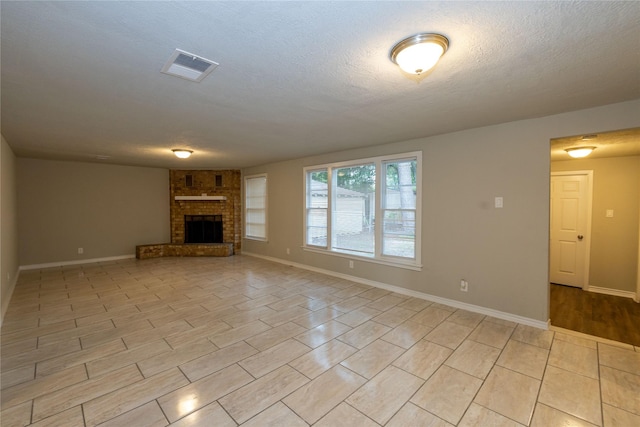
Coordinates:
[182,250]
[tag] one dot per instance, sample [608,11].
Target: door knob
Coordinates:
[580,237]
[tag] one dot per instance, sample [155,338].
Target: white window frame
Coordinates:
[266,208]
[308,206]
[378,257]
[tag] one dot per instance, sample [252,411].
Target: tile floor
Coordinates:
[242,341]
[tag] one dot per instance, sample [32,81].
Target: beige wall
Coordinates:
[502,253]
[8,225]
[107,210]
[614,241]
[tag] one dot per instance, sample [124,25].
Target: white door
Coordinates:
[570,226]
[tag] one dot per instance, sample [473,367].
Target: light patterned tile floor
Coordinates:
[243,341]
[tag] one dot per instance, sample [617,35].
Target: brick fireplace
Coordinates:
[202,195]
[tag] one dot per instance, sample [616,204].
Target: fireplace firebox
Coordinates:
[203,229]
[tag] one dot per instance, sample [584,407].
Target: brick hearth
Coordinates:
[191,249]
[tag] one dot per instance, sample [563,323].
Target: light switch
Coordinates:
[609,213]
[498,202]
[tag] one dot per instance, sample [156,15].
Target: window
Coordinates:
[255,202]
[317,204]
[343,201]
[353,190]
[399,208]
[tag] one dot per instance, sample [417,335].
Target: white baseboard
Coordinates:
[614,292]
[452,303]
[82,261]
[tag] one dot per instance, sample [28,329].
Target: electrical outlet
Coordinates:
[288,251]
[350,264]
[80,251]
[464,286]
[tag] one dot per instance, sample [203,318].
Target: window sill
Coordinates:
[257,239]
[408,265]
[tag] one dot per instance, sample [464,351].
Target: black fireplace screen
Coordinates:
[203,228]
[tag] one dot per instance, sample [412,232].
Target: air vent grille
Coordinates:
[188,66]
[192,62]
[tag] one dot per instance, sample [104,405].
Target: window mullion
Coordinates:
[380,189]
[330,204]
[418,211]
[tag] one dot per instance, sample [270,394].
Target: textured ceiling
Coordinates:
[625,142]
[82,79]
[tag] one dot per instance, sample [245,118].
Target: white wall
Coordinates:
[105,209]
[502,253]
[8,225]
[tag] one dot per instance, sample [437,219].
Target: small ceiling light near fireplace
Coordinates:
[579,152]
[418,54]
[181,153]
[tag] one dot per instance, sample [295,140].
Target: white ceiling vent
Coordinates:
[188,66]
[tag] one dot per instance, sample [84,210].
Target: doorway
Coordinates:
[611,275]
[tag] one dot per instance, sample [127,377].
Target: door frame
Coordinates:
[587,254]
[637,297]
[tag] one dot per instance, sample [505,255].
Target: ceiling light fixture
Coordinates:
[579,152]
[181,153]
[418,54]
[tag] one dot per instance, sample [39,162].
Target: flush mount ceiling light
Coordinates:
[579,152]
[182,154]
[418,54]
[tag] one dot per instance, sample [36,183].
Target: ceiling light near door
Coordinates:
[579,152]
[182,154]
[418,54]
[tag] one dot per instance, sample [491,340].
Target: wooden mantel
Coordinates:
[201,198]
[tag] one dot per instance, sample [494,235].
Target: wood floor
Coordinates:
[605,316]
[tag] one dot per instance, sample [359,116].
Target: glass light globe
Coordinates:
[419,58]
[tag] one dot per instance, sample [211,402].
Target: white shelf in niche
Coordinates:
[202,198]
